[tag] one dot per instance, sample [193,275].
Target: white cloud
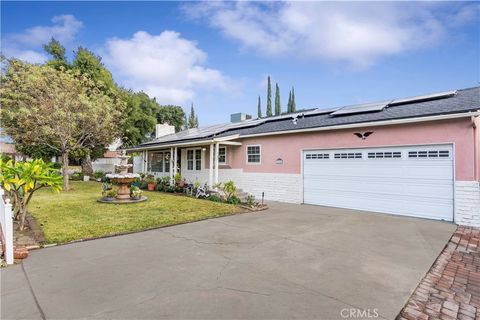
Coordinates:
[24,45]
[166,66]
[358,33]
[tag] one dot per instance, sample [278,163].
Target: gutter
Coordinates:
[185,144]
[370,124]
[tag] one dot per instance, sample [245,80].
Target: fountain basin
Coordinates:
[122,201]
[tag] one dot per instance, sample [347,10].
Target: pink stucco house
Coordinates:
[417,156]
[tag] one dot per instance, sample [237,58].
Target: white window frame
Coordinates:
[194,150]
[164,161]
[260,154]
[222,162]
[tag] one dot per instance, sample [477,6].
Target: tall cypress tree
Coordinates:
[294,105]
[269,98]
[192,119]
[259,109]
[289,105]
[278,108]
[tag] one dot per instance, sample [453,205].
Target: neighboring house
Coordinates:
[109,160]
[417,156]
[7,147]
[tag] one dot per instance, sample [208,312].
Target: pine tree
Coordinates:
[259,111]
[294,105]
[269,98]
[289,105]
[278,108]
[192,119]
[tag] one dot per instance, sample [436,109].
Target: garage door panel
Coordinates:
[402,205]
[417,182]
[372,193]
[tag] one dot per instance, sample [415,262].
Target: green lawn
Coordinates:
[76,214]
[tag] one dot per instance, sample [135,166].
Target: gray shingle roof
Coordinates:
[465,100]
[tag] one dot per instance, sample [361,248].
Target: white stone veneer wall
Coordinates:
[467,203]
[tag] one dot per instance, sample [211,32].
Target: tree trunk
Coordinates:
[22,216]
[87,168]
[65,170]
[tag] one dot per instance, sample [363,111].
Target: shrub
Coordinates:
[215,198]
[99,174]
[233,200]
[250,200]
[135,192]
[21,179]
[77,176]
[163,183]
[177,178]
[110,193]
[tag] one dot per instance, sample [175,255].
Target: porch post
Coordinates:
[146,162]
[217,147]
[210,167]
[175,168]
[172,161]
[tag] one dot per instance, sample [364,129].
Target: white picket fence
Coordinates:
[6,222]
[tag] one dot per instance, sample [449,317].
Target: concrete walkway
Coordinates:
[292,261]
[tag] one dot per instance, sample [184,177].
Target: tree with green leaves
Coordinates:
[89,65]
[289,105]
[172,115]
[278,108]
[57,51]
[192,120]
[140,114]
[21,179]
[63,110]
[269,98]
[259,108]
[293,106]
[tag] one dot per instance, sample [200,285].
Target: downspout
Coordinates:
[476,159]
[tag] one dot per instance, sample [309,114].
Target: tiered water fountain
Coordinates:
[123,180]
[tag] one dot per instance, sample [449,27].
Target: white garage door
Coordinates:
[413,181]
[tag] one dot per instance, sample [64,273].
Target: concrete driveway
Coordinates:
[292,261]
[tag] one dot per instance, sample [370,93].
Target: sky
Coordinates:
[217,55]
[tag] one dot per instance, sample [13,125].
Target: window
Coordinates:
[194,159]
[396,154]
[350,155]
[317,156]
[159,162]
[429,154]
[253,154]
[222,155]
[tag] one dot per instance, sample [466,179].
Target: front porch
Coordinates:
[202,162]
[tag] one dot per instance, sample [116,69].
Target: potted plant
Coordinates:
[136,193]
[109,195]
[150,180]
[178,180]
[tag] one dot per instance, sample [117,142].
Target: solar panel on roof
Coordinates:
[361,108]
[434,96]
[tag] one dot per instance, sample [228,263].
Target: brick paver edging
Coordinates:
[451,289]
